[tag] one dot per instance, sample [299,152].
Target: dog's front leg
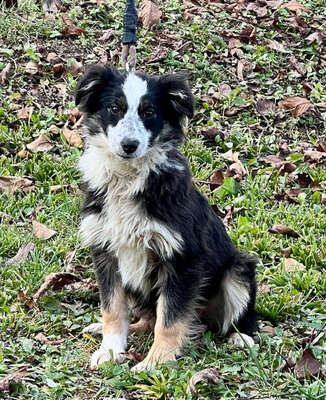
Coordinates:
[174,313]
[114,311]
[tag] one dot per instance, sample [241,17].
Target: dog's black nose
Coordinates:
[129,146]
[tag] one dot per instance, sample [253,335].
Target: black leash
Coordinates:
[129,40]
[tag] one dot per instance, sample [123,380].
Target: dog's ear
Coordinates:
[91,84]
[177,94]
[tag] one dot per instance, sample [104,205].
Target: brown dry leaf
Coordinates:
[15,376]
[248,35]
[216,180]
[234,111]
[58,188]
[224,90]
[149,13]
[322,145]
[231,156]
[74,115]
[106,35]
[317,37]
[274,4]
[268,330]
[295,6]
[314,155]
[299,67]
[208,375]
[72,137]
[101,52]
[283,230]
[53,58]
[272,160]
[291,265]
[265,106]
[296,105]
[24,113]
[307,365]
[42,143]
[41,231]
[134,356]
[228,218]
[159,55]
[263,288]
[236,171]
[274,45]
[58,69]
[258,10]
[86,285]
[233,43]
[40,337]
[31,68]
[211,133]
[74,68]
[55,281]
[62,88]
[21,255]
[4,73]
[70,28]
[12,184]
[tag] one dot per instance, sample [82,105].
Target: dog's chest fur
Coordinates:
[122,226]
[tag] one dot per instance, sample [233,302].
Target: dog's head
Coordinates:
[136,111]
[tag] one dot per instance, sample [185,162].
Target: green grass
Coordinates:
[295,302]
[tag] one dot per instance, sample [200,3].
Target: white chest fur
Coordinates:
[123,223]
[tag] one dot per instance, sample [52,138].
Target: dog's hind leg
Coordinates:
[235,303]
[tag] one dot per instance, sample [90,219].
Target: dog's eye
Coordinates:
[115,109]
[148,114]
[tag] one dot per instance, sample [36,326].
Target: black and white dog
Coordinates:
[159,250]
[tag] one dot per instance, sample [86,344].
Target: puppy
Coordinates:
[158,247]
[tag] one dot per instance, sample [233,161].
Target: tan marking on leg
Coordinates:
[167,340]
[143,326]
[114,317]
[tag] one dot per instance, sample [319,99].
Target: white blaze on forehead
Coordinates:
[134,88]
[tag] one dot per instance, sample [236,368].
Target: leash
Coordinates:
[129,40]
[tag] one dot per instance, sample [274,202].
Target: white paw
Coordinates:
[103,355]
[143,366]
[241,341]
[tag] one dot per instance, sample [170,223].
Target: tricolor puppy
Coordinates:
[158,248]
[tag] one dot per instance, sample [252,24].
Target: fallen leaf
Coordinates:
[86,285]
[263,288]
[58,188]
[283,230]
[58,69]
[134,356]
[314,155]
[236,171]
[231,156]
[72,137]
[149,13]
[12,184]
[295,6]
[274,4]
[265,106]
[216,180]
[159,55]
[233,111]
[21,255]
[24,113]
[211,133]
[224,90]
[268,330]
[299,67]
[55,281]
[40,337]
[248,35]
[74,115]
[307,365]
[4,73]
[296,105]
[70,28]
[101,52]
[227,220]
[208,375]
[322,145]
[316,37]
[106,35]
[42,143]
[62,88]
[233,43]
[74,68]
[31,68]
[291,265]
[41,231]
[15,376]
[277,46]
[53,58]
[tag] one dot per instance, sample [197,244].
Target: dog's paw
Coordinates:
[143,366]
[241,341]
[103,355]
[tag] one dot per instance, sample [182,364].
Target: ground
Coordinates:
[259,160]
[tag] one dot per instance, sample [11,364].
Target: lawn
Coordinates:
[257,150]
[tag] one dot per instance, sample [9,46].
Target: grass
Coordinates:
[294,303]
